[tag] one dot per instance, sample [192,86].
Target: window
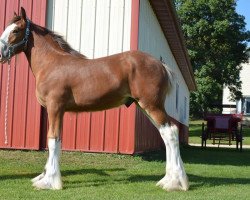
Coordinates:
[177,97]
[185,108]
[243,106]
[247,106]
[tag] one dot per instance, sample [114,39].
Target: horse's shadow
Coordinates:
[105,178]
[17,176]
[207,156]
[100,172]
[201,181]
[195,180]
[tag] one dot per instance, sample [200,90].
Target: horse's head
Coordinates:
[15,37]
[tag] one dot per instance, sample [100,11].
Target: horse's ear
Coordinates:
[23,13]
[15,15]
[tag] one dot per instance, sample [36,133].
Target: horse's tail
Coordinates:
[170,78]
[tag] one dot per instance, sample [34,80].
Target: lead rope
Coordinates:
[6,107]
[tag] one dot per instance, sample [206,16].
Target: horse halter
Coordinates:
[12,48]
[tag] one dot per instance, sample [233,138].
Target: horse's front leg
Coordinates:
[51,177]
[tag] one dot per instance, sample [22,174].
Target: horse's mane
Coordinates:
[64,45]
[58,39]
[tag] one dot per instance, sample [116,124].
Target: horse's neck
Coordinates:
[40,48]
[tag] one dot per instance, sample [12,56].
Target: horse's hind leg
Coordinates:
[175,178]
[51,177]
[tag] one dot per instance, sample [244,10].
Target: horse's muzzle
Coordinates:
[2,58]
[4,51]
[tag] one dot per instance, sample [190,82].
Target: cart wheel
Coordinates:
[203,136]
[239,138]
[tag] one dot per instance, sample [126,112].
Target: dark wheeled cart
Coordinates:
[222,128]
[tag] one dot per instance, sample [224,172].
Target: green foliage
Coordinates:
[216,40]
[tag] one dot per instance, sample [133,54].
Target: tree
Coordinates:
[216,40]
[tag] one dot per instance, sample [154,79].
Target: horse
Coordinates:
[67,81]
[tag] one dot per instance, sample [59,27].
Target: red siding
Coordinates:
[109,131]
[24,112]
[119,130]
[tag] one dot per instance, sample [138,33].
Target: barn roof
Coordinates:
[167,17]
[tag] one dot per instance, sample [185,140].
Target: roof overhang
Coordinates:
[167,17]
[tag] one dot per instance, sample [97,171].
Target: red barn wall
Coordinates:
[23,127]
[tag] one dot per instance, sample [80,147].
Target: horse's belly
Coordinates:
[97,104]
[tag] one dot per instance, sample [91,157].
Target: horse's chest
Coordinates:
[40,99]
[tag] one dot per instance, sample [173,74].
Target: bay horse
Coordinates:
[67,81]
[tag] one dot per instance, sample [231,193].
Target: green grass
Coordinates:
[195,133]
[213,173]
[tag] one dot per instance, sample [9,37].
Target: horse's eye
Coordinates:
[15,31]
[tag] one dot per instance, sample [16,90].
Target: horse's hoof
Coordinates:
[39,177]
[45,184]
[42,185]
[174,183]
[162,182]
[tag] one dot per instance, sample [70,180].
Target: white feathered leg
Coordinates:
[175,178]
[51,179]
[164,180]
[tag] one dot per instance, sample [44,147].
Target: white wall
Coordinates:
[95,28]
[153,41]
[226,100]
[245,78]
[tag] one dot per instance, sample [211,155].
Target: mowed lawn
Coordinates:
[214,174]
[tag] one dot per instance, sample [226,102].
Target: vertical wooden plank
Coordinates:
[116,27]
[2,77]
[88,28]
[135,8]
[112,125]
[101,28]
[127,130]
[83,131]
[127,25]
[74,24]
[97,131]
[61,17]
[69,131]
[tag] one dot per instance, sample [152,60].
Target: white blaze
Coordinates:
[6,33]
